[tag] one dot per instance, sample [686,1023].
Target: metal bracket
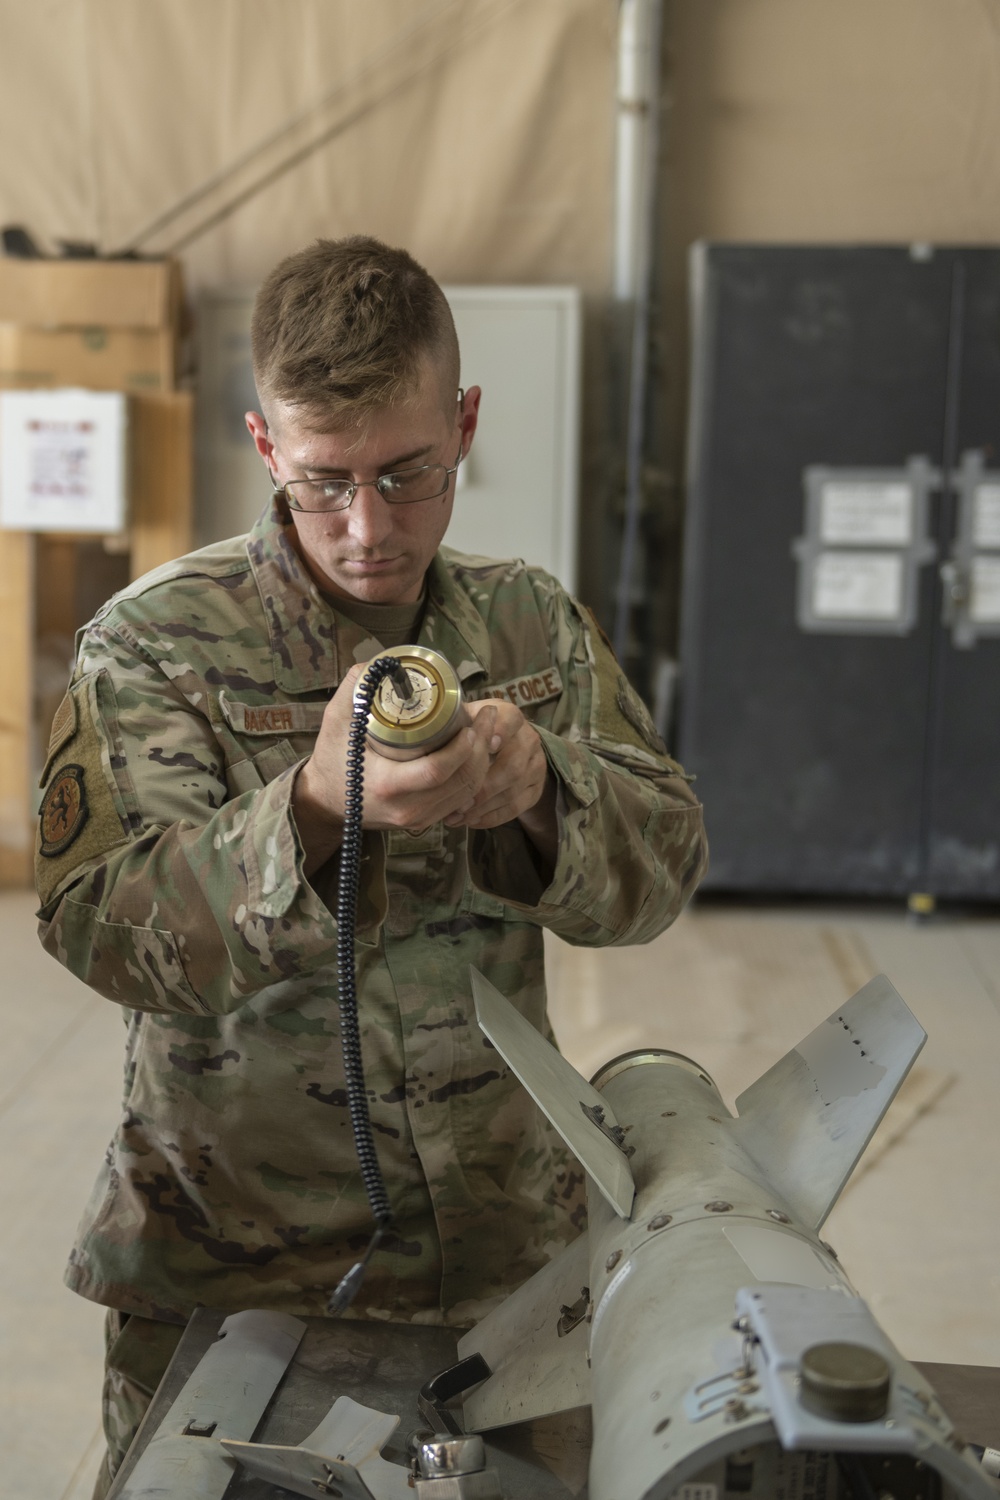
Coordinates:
[228,1393]
[786,1321]
[970,604]
[341,1457]
[444,1387]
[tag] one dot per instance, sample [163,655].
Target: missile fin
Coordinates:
[807,1120]
[535,1343]
[571,1104]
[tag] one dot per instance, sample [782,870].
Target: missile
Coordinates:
[719,1342]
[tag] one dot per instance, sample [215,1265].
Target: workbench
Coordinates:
[384,1366]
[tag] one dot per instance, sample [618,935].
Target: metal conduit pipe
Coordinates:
[637,134]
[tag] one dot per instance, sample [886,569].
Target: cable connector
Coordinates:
[349,1285]
[346,1290]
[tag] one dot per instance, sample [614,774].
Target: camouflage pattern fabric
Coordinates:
[170,876]
[138,1351]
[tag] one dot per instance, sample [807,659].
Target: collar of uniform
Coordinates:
[312,648]
[453,625]
[301,624]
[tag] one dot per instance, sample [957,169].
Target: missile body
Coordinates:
[714,1215]
[721,1346]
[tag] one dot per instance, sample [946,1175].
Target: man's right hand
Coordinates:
[397,793]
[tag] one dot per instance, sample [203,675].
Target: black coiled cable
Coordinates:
[347,902]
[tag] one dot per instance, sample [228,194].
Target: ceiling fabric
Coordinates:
[476,132]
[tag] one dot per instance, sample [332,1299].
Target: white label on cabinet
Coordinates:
[858,586]
[984,605]
[866,513]
[986,516]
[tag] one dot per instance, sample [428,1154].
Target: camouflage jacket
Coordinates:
[170,876]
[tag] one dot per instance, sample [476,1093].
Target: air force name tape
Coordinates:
[540,687]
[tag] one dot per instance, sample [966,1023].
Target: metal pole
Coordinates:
[635,203]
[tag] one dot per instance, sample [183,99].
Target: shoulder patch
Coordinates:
[620,715]
[81,814]
[64,811]
[633,708]
[63,730]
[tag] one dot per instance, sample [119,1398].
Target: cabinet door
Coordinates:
[808,744]
[963,790]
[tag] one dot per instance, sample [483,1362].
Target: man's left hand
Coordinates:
[518,783]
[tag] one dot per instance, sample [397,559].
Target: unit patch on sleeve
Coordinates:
[64,811]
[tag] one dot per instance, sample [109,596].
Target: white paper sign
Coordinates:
[858,586]
[62,460]
[986,516]
[866,513]
[984,605]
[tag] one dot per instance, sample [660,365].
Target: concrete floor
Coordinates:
[732,986]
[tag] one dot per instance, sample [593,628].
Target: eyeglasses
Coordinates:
[405,487]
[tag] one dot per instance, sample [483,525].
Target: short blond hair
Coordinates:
[344,327]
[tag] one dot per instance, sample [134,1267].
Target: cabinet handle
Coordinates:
[956,592]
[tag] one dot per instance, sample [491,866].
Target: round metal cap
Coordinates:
[443,1455]
[845,1382]
[402,729]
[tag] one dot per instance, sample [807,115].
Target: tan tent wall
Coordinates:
[479,132]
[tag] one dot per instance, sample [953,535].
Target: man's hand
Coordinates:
[518,783]
[442,786]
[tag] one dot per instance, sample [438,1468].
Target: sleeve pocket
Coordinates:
[138,967]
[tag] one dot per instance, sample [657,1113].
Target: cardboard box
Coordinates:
[161,503]
[99,358]
[103,324]
[90,293]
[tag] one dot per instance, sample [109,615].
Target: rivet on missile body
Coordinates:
[778,1216]
[717,1206]
[845,1382]
[612,1260]
[660,1221]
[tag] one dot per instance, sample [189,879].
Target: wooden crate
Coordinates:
[51,584]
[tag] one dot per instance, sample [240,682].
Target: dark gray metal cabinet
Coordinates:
[840,643]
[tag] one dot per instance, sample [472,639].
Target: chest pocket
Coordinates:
[257,770]
[403,841]
[251,764]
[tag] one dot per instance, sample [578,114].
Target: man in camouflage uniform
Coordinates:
[188,856]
